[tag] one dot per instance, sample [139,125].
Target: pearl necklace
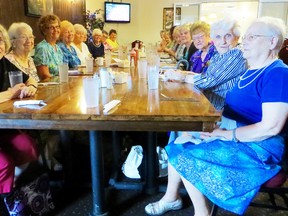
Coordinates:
[257,72]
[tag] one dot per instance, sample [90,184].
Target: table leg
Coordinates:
[97,172]
[152,165]
[65,137]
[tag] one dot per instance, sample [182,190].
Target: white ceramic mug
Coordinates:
[100,61]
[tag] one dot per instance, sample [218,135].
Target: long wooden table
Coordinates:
[174,106]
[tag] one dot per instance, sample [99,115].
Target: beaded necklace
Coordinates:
[257,72]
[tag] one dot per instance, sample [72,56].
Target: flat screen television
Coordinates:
[117,12]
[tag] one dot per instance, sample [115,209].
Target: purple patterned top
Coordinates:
[197,65]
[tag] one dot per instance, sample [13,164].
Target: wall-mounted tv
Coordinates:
[117,12]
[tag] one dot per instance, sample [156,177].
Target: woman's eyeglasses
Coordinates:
[53,28]
[26,37]
[251,37]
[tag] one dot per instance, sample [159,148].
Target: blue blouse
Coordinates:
[199,66]
[256,87]
[48,55]
[70,55]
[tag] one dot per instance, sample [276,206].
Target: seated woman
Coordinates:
[96,47]
[225,66]
[79,45]
[200,33]
[186,40]
[177,49]
[67,33]
[48,55]
[22,39]
[104,37]
[112,40]
[16,149]
[247,149]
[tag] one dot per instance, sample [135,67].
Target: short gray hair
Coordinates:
[97,31]
[80,28]
[14,28]
[225,24]
[274,27]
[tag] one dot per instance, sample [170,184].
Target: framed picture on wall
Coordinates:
[168,17]
[36,8]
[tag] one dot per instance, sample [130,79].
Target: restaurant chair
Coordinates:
[276,189]
[283,53]
[137,43]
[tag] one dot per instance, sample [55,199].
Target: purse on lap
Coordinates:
[32,199]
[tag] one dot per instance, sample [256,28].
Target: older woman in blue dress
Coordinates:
[247,149]
[67,33]
[48,55]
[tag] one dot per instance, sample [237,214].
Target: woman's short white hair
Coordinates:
[225,24]
[14,28]
[274,27]
[97,31]
[80,28]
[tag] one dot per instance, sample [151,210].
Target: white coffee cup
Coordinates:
[91,91]
[100,61]
[63,73]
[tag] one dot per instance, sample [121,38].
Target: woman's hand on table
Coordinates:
[16,90]
[28,91]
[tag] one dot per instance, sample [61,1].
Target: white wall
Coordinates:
[146,18]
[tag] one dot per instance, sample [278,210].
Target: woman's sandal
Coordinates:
[161,207]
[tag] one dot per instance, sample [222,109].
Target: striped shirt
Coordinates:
[221,76]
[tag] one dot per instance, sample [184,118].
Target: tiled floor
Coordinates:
[129,203]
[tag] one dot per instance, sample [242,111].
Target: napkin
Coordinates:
[74,72]
[31,104]
[110,105]
[47,83]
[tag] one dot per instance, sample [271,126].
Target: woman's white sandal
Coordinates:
[161,207]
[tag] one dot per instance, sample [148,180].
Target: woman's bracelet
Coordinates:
[32,86]
[234,138]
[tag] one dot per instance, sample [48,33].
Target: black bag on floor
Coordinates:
[32,198]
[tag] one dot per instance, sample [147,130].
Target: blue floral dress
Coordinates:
[70,55]
[231,173]
[46,54]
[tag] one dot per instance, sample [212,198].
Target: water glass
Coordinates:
[15,77]
[63,73]
[142,68]
[153,77]
[89,64]
[91,91]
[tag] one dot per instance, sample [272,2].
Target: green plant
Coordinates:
[94,20]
